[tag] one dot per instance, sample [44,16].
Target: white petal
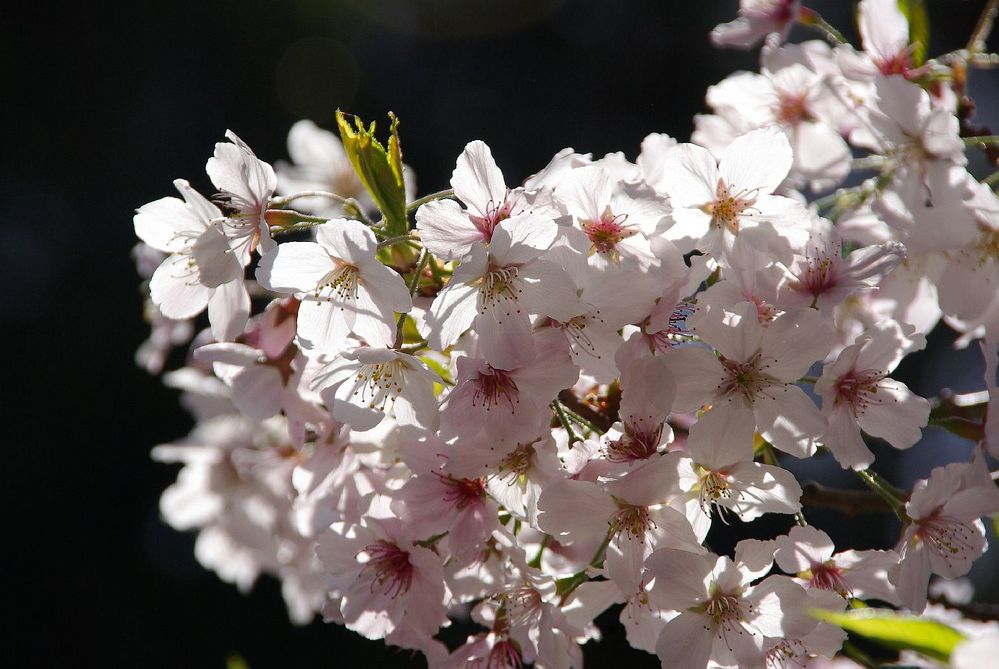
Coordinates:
[757,161]
[789,420]
[895,414]
[446,230]
[294,267]
[228,310]
[477,181]
[175,289]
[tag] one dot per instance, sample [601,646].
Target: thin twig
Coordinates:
[416,204]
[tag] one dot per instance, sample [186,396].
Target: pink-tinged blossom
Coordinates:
[756,20]
[791,96]
[822,643]
[516,471]
[723,617]
[611,297]
[857,395]
[648,389]
[884,32]
[502,402]
[945,534]
[977,264]
[808,553]
[449,231]
[720,472]
[822,278]
[362,384]
[717,204]
[755,371]
[498,289]
[245,185]
[199,271]
[434,502]
[616,216]
[343,287]
[382,585]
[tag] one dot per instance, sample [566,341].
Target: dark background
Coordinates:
[107,103]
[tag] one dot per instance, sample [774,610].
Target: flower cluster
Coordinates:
[524,402]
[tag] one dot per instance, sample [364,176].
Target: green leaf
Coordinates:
[896,630]
[919,28]
[379,169]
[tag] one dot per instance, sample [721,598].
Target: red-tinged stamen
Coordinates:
[389,566]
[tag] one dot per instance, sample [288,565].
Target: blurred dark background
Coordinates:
[107,103]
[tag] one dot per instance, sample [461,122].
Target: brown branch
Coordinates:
[569,399]
[849,502]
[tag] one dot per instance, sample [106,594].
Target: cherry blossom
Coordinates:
[857,395]
[342,285]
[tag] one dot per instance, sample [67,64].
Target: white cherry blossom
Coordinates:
[343,287]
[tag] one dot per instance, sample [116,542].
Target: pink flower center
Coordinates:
[495,214]
[462,492]
[606,232]
[634,445]
[727,207]
[859,388]
[504,655]
[518,463]
[792,109]
[715,487]
[495,386]
[389,568]
[633,521]
[827,576]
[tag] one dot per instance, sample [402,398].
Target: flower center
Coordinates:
[523,603]
[859,389]
[606,232]
[792,109]
[377,384]
[495,214]
[517,464]
[727,207]
[493,387]
[633,521]
[724,609]
[947,538]
[746,378]
[715,487]
[499,286]
[340,284]
[827,576]
[390,567]
[462,492]
[634,445]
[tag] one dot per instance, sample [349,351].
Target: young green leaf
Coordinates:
[379,169]
[897,630]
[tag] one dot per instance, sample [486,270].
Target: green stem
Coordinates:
[579,420]
[413,285]
[800,519]
[991,179]
[564,420]
[980,139]
[812,19]
[536,560]
[808,379]
[392,241]
[885,491]
[416,204]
